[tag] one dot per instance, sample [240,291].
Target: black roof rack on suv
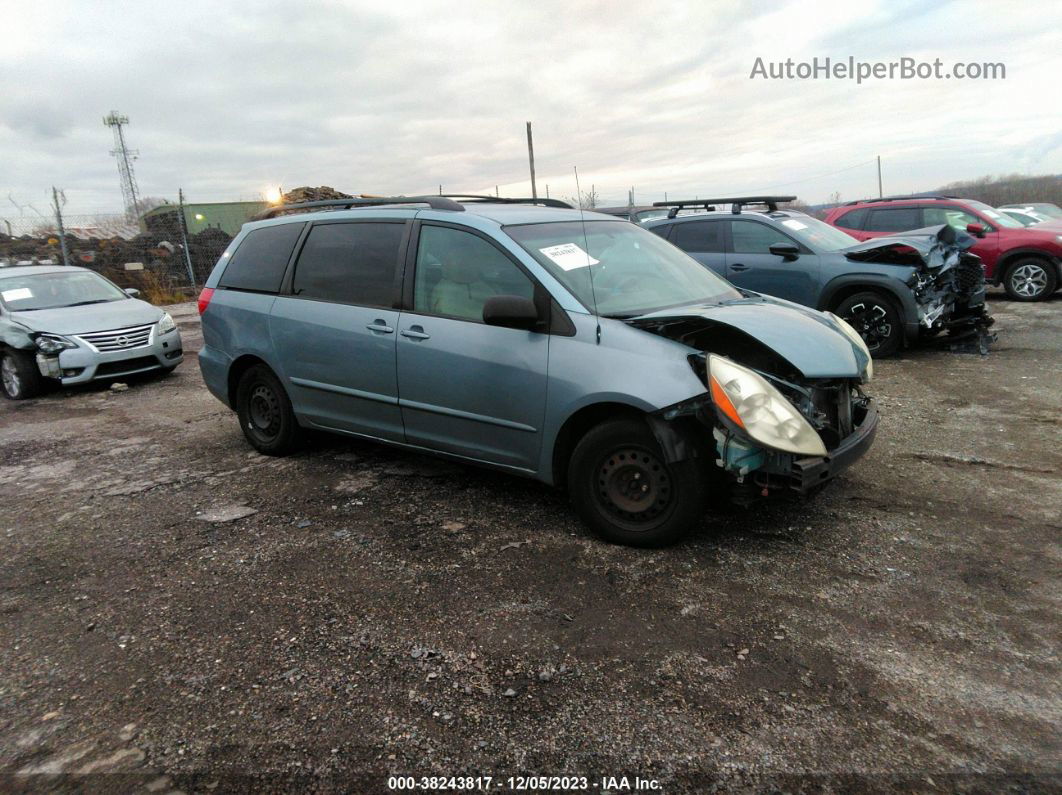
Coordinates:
[898,199]
[736,203]
[473,197]
[435,202]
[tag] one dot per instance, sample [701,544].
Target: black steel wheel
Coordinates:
[265,413]
[627,493]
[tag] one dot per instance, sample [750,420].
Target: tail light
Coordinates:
[204,298]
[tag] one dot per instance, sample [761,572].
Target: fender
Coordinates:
[15,335]
[1006,257]
[875,281]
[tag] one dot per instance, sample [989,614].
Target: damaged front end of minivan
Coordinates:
[780,417]
[948,282]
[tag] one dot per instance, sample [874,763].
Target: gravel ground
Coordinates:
[373,613]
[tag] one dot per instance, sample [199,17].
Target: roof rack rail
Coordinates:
[735,203]
[475,197]
[900,199]
[434,202]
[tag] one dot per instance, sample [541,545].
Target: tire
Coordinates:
[876,319]
[265,413]
[605,468]
[1030,279]
[19,377]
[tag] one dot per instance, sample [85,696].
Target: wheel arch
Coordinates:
[577,425]
[843,287]
[1008,258]
[240,365]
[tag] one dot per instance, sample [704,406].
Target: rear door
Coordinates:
[750,263]
[334,330]
[890,220]
[466,387]
[702,240]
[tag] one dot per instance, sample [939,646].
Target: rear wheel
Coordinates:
[627,493]
[19,377]
[876,319]
[1030,279]
[266,417]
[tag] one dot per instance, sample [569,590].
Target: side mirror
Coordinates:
[511,311]
[977,230]
[132,292]
[786,251]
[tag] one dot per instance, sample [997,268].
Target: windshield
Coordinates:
[633,270]
[815,234]
[56,289]
[998,218]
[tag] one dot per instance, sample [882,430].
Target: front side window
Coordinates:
[699,236]
[349,264]
[458,271]
[752,237]
[56,290]
[894,219]
[259,262]
[952,216]
[619,269]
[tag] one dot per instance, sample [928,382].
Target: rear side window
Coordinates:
[894,219]
[259,262]
[698,236]
[349,263]
[853,219]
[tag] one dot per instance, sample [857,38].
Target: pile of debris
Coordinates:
[308,194]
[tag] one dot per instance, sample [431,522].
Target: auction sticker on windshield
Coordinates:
[794,224]
[569,256]
[19,294]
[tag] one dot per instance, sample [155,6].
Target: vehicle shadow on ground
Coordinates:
[500,496]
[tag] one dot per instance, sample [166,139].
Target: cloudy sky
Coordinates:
[229,99]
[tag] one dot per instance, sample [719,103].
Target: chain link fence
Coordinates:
[158,254]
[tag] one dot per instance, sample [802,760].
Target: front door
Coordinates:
[702,240]
[750,263]
[466,387]
[335,332]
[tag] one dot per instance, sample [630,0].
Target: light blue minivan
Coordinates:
[525,335]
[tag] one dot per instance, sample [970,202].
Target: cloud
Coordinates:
[225,100]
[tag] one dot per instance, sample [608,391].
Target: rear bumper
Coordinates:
[812,472]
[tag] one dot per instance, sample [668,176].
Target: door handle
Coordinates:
[415,333]
[739,267]
[381,326]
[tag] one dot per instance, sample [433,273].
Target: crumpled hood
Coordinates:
[809,340]
[933,247]
[88,318]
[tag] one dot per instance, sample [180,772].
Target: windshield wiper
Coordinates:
[93,301]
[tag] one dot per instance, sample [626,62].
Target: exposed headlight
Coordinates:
[751,403]
[853,335]
[166,323]
[52,343]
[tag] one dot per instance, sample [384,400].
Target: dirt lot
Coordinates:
[384,614]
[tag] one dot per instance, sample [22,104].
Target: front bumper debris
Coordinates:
[810,473]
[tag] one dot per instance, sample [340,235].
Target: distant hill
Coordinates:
[1012,189]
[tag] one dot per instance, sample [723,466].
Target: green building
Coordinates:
[226,216]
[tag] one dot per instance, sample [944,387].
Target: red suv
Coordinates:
[1026,260]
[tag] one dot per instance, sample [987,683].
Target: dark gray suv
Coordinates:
[891,289]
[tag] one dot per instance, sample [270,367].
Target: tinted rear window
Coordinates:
[698,236]
[853,219]
[894,219]
[349,263]
[259,262]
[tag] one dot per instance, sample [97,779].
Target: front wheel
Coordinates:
[19,377]
[1030,279]
[876,319]
[265,413]
[627,493]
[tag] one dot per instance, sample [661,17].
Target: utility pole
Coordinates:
[184,236]
[547,190]
[531,159]
[59,221]
[125,157]
[880,194]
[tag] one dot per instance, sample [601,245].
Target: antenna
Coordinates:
[125,157]
[586,248]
